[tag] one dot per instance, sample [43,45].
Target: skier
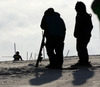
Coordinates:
[17,57]
[54,28]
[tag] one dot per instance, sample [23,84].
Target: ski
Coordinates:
[39,59]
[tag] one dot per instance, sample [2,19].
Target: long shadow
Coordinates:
[43,76]
[81,76]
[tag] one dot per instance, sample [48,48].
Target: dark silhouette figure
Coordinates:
[96,8]
[82,33]
[17,57]
[54,28]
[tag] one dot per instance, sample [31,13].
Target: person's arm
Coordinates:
[20,57]
[43,23]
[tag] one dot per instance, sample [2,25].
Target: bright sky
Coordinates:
[20,24]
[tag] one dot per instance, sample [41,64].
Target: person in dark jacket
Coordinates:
[54,28]
[17,57]
[82,33]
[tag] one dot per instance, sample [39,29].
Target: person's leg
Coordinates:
[85,51]
[82,50]
[59,52]
[50,50]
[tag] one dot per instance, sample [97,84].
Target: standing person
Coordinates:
[54,28]
[17,57]
[82,33]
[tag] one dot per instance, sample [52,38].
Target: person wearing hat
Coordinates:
[54,28]
[82,33]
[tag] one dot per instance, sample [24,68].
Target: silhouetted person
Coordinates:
[54,28]
[17,57]
[82,33]
[96,8]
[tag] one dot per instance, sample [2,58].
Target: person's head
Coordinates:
[17,53]
[49,11]
[80,7]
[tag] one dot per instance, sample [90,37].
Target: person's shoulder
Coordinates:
[57,14]
[14,55]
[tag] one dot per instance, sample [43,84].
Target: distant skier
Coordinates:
[17,57]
